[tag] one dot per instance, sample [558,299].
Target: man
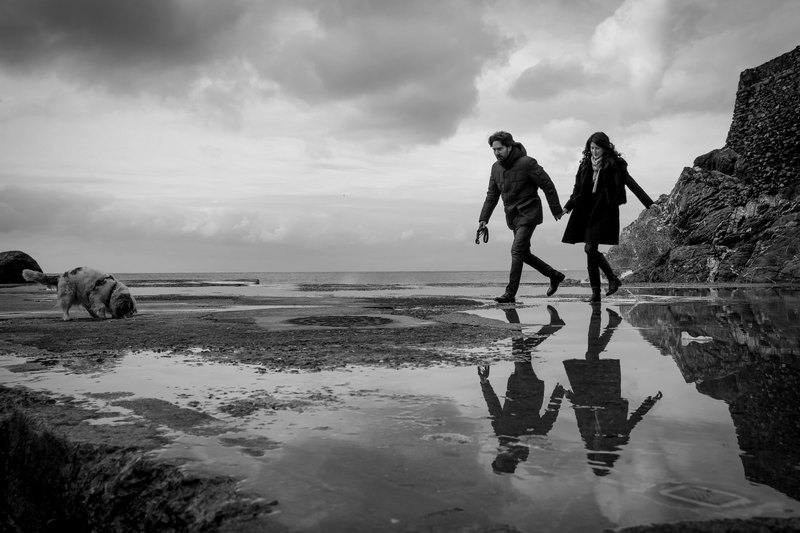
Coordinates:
[517,178]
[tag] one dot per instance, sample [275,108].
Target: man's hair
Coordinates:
[505,138]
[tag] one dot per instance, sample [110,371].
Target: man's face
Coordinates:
[500,151]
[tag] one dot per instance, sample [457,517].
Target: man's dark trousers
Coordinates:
[521,254]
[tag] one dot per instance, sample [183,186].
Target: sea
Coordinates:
[399,283]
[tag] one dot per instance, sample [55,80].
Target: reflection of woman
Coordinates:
[596,395]
[599,191]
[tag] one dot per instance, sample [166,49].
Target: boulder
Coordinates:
[12,263]
[722,160]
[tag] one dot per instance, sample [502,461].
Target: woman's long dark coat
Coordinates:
[595,216]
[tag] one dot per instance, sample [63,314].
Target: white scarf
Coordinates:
[596,165]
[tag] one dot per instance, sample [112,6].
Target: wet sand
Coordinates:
[109,472]
[281,334]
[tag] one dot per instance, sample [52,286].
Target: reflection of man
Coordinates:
[519,415]
[596,396]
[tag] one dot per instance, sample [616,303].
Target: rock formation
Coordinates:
[12,264]
[735,215]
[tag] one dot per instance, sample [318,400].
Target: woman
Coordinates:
[599,191]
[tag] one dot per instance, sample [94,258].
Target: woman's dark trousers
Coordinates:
[595,262]
[521,254]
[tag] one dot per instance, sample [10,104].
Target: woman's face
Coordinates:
[596,150]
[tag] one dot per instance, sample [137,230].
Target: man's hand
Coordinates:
[483,232]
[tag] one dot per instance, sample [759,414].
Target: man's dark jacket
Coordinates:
[517,180]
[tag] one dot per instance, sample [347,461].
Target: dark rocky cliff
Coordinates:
[734,215]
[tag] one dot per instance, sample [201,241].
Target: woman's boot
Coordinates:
[613,285]
[595,297]
[613,281]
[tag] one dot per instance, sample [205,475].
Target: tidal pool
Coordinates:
[658,408]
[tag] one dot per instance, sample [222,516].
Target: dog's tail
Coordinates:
[39,277]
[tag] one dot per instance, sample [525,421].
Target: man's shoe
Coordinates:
[554,281]
[613,285]
[505,299]
[595,297]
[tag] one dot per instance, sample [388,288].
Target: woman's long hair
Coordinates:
[600,139]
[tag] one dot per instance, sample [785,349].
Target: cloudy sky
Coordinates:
[336,135]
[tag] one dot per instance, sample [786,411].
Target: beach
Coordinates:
[216,408]
[231,329]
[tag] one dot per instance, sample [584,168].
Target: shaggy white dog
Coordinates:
[99,293]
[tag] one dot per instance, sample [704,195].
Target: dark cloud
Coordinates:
[409,62]
[549,78]
[365,47]
[116,43]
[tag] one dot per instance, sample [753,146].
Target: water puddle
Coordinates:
[599,417]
